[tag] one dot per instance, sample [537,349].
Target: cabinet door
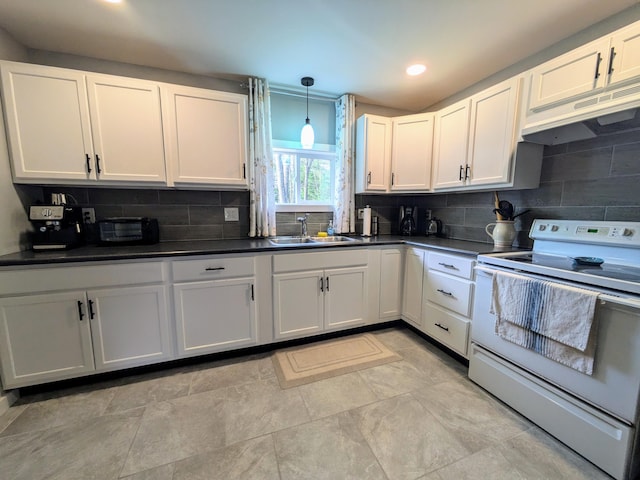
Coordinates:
[129,326]
[625,49]
[491,134]
[450,145]
[126,123]
[373,155]
[570,76]
[44,338]
[413,278]
[345,297]
[391,268]
[411,152]
[47,123]
[298,303]
[206,136]
[215,315]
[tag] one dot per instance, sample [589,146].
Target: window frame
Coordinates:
[324,152]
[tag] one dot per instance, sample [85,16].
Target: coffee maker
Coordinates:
[57,227]
[408,221]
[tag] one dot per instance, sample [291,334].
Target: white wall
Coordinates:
[13,219]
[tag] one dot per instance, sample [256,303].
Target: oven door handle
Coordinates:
[603,297]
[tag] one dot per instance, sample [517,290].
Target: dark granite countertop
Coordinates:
[94,253]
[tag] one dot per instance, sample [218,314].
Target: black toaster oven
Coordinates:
[128,231]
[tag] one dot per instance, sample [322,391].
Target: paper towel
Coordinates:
[366,222]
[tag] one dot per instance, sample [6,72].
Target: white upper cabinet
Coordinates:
[450,146]
[607,62]
[67,127]
[411,150]
[206,136]
[625,55]
[126,122]
[475,144]
[394,154]
[373,153]
[47,117]
[492,134]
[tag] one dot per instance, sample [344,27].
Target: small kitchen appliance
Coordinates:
[408,220]
[128,231]
[56,227]
[595,414]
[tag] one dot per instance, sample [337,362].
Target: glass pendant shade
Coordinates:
[307,137]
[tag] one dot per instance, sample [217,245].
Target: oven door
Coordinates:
[615,383]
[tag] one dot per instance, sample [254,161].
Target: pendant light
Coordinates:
[307,136]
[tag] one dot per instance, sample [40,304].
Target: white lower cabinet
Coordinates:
[54,321]
[44,337]
[215,306]
[413,277]
[129,326]
[319,291]
[447,299]
[391,279]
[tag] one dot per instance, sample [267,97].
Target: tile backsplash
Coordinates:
[593,179]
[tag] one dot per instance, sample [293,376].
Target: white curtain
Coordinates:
[262,208]
[344,212]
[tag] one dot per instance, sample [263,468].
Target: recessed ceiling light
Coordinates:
[113,1]
[416,69]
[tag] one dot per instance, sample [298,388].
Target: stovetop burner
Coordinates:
[611,251]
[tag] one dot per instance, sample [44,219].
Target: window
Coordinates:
[303,177]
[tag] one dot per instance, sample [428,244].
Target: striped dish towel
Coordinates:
[554,320]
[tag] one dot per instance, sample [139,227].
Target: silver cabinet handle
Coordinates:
[213,269]
[448,294]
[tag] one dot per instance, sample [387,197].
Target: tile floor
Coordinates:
[419,418]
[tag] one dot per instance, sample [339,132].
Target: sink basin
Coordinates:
[290,240]
[284,241]
[332,239]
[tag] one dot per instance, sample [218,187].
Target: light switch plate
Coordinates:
[88,215]
[360,213]
[231,214]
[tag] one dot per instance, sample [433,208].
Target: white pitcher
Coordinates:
[503,233]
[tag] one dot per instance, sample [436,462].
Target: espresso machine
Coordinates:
[408,221]
[56,227]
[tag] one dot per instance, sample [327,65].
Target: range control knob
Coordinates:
[627,232]
[542,228]
[555,228]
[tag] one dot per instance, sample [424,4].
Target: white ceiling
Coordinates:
[355,46]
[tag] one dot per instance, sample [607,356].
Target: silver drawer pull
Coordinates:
[448,294]
[446,329]
[213,269]
[448,265]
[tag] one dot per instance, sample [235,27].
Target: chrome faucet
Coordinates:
[303,223]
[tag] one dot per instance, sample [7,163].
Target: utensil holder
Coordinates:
[503,233]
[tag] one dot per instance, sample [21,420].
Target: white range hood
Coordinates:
[604,113]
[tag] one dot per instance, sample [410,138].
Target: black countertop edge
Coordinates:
[93,253]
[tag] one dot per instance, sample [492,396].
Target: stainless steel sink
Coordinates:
[291,241]
[332,239]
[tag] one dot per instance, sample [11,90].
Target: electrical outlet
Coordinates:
[231,214]
[360,213]
[89,215]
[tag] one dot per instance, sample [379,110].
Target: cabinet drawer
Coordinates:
[75,276]
[451,264]
[205,268]
[292,262]
[446,328]
[449,292]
